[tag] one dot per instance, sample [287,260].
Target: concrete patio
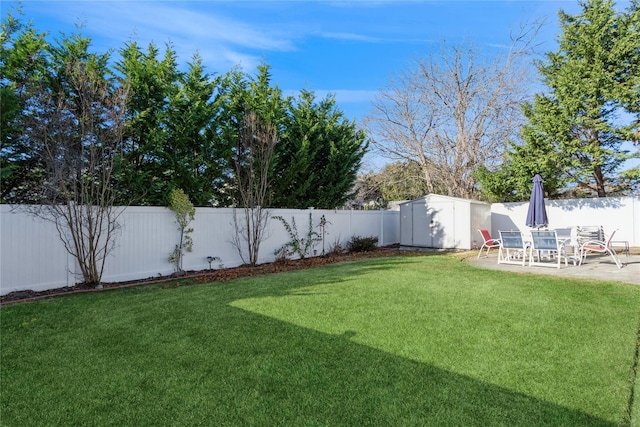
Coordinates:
[596,267]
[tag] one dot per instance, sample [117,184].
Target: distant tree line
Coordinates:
[175,129]
[462,124]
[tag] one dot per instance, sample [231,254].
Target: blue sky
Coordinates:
[348,48]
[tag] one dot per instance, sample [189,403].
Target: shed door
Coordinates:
[442,224]
[420,225]
[433,225]
[406,225]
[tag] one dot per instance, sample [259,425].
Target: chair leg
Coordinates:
[615,257]
[488,249]
[481,249]
[583,254]
[611,252]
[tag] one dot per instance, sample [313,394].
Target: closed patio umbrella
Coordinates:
[537,213]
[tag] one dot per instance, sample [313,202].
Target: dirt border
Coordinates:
[203,276]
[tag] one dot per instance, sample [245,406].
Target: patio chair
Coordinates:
[488,242]
[547,242]
[600,247]
[513,249]
[586,233]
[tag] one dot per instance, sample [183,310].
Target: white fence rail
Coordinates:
[32,256]
[612,213]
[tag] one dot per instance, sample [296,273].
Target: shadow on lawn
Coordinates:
[354,384]
[347,383]
[358,385]
[205,362]
[290,281]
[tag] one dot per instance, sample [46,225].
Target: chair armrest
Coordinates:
[593,243]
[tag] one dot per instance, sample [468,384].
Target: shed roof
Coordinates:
[440,196]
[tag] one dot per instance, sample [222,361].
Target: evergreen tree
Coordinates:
[402,181]
[242,95]
[318,156]
[575,132]
[181,128]
[189,158]
[295,154]
[152,81]
[23,61]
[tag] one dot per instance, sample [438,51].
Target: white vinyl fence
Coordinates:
[33,258]
[611,213]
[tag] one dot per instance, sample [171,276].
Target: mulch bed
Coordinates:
[206,276]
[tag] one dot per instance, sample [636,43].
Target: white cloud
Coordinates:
[350,37]
[168,20]
[221,41]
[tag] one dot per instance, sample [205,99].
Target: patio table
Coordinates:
[569,238]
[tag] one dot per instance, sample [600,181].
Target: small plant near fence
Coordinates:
[362,244]
[298,245]
[185,213]
[335,249]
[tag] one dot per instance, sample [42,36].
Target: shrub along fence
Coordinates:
[32,256]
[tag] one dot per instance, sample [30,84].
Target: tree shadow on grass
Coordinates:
[347,383]
[187,357]
[238,368]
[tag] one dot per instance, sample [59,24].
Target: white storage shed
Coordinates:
[443,222]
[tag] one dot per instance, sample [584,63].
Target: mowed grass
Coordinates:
[399,341]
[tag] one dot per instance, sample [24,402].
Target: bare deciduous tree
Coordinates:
[453,112]
[253,158]
[77,127]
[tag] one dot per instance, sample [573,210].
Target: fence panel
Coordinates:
[31,253]
[32,256]
[612,213]
[146,239]
[390,227]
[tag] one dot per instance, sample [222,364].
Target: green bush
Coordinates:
[185,212]
[362,244]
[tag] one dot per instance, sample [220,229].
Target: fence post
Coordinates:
[381,240]
[350,221]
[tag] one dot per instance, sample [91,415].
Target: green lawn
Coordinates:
[399,341]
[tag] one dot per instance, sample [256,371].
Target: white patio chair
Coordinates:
[547,241]
[513,249]
[600,247]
